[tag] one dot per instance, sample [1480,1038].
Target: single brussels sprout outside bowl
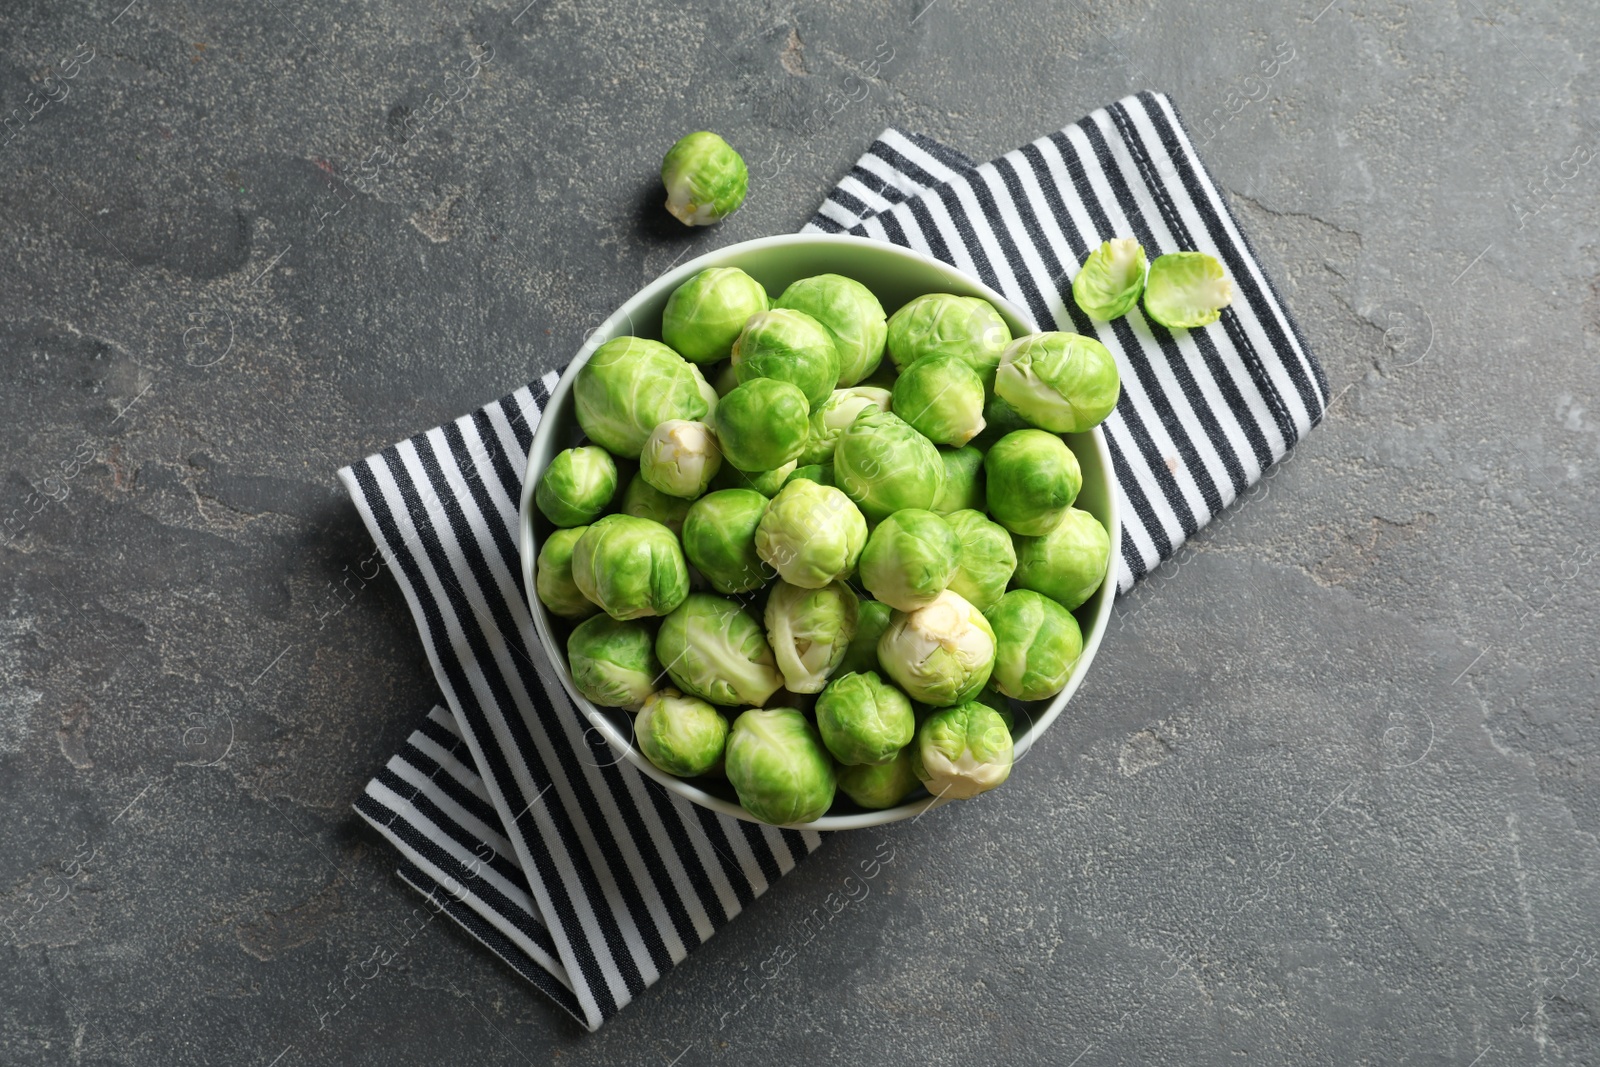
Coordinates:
[895,276]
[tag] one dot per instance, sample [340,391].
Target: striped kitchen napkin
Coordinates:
[515,818]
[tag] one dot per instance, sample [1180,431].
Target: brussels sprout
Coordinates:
[1108,284]
[762,424]
[909,559]
[778,767]
[942,396]
[962,751]
[821,473]
[628,386]
[882,785]
[942,324]
[680,458]
[1032,478]
[1186,290]
[864,720]
[963,481]
[837,412]
[705,178]
[630,567]
[1036,644]
[644,501]
[706,313]
[809,630]
[999,419]
[1061,382]
[767,483]
[553,576]
[850,313]
[719,537]
[715,650]
[811,534]
[613,663]
[1067,564]
[681,735]
[872,618]
[883,464]
[792,347]
[941,654]
[985,558]
[578,486]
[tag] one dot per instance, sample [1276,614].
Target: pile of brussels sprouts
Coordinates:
[812,569]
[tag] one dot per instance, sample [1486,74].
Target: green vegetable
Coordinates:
[1032,479]
[821,473]
[680,458]
[999,419]
[630,567]
[762,424]
[884,465]
[811,534]
[644,501]
[719,538]
[985,558]
[943,324]
[1061,382]
[628,387]
[705,178]
[715,650]
[779,768]
[1108,284]
[942,397]
[681,735]
[1069,563]
[941,654]
[872,619]
[850,313]
[578,486]
[553,576]
[837,412]
[613,663]
[1037,643]
[962,751]
[809,630]
[909,559]
[882,785]
[705,314]
[963,480]
[767,483]
[864,720]
[1186,290]
[792,347]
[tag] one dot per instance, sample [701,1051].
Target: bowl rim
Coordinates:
[559,395]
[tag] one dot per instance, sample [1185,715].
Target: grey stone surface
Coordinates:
[1328,796]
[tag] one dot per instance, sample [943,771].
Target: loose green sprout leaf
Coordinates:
[630,567]
[809,630]
[909,559]
[1110,281]
[985,559]
[682,735]
[879,786]
[811,534]
[762,424]
[705,314]
[629,386]
[715,650]
[1032,479]
[779,767]
[1037,643]
[613,663]
[944,324]
[872,619]
[1069,563]
[864,720]
[644,501]
[840,409]
[850,313]
[578,486]
[941,654]
[1061,382]
[1186,290]
[942,397]
[962,751]
[884,465]
[680,458]
[719,537]
[705,178]
[553,576]
[792,347]
[963,480]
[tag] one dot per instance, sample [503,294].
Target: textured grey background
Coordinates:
[1329,794]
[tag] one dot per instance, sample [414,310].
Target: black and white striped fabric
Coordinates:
[514,818]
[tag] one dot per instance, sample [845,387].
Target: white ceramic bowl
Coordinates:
[896,275]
